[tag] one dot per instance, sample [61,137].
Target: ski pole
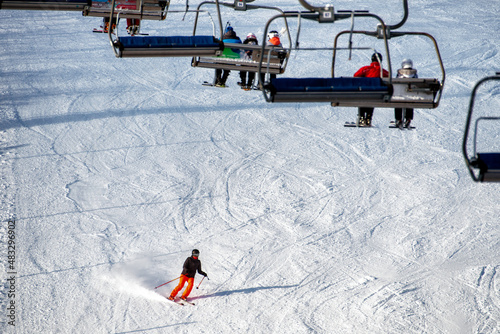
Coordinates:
[202,281]
[167,282]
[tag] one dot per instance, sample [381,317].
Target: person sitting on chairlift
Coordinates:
[247,85]
[273,38]
[406,71]
[365,114]
[221,75]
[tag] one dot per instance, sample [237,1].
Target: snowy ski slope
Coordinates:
[115,169]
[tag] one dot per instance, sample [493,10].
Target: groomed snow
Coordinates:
[115,169]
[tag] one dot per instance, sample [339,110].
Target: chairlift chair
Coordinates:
[165,46]
[52,5]
[421,93]
[485,166]
[346,92]
[331,89]
[235,60]
[129,9]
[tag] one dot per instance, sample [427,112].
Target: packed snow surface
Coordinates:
[115,169]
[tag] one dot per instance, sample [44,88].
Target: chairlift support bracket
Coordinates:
[483,167]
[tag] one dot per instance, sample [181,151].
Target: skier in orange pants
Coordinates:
[191,265]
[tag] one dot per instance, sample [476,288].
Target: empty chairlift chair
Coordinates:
[164,46]
[485,166]
[167,46]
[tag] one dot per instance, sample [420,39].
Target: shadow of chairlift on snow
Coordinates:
[485,166]
[244,291]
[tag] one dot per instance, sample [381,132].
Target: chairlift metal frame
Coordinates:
[276,64]
[483,167]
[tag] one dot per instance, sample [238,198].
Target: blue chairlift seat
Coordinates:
[488,165]
[168,46]
[332,90]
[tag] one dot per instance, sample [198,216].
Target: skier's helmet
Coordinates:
[228,29]
[251,36]
[375,59]
[272,34]
[195,252]
[407,63]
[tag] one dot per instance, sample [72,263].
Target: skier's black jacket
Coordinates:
[191,265]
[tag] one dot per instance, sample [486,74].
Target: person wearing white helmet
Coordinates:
[406,71]
[244,83]
[273,38]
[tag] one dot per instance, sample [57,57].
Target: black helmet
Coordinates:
[374,57]
[195,252]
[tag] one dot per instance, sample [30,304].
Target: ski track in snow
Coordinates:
[114,169]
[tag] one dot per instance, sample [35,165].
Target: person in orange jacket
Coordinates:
[365,114]
[273,39]
[191,265]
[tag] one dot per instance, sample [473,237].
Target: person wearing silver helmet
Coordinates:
[406,71]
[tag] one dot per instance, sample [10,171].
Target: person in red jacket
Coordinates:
[191,265]
[373,70]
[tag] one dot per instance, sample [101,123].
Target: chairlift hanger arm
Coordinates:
[312,8]
[403,20]
[216,2]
